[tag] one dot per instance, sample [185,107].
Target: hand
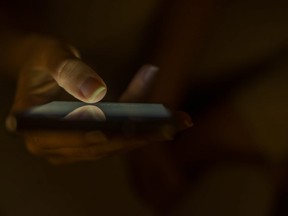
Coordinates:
[51,65]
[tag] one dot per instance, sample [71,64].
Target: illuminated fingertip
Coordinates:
[149,72]
[93,90]
[188,123]
[11,123]
[98,94]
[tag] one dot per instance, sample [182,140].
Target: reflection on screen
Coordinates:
[86,112]
[100,111]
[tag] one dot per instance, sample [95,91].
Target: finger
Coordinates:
[183,121]
[34,86]
[57,161]
[39,141]
[79,80]
[89,144]
[82,151]
[140,84]
[50,57]
[70,73]
[63,63]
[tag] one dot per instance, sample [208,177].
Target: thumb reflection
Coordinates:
[88,112]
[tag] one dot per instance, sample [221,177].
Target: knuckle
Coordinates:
[69,69]
[62,74]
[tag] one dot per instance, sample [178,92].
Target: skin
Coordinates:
[45,75]
[158,169]
[52,69]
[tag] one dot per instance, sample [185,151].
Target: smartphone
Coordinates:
[124,118]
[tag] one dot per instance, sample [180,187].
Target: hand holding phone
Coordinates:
[40,81]
[66,132]
[126,119]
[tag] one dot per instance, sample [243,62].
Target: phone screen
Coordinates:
[100,116]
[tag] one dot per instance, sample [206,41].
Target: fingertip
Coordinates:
[184,121]
[11,123]
[148,72]
[141,83]
[81,81]
[92,90]
[188,122]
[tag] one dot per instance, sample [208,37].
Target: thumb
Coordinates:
[79,80]
[140,84]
